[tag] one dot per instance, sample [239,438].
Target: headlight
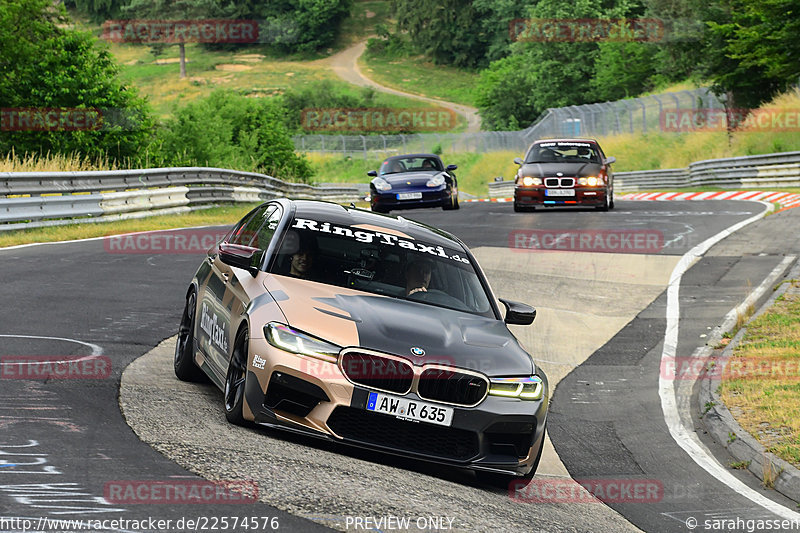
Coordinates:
[531,388]
[591,181]
[291,340]
[381,184]
[436,181]
[529,181]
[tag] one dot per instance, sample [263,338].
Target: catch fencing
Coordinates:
[746,172]
[633,116]
[34,199]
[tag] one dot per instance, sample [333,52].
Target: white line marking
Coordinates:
[686,438]
[96,350]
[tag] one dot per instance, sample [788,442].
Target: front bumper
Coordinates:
[499,434]
[536,196]
[430,198]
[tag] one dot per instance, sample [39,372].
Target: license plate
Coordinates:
[559,192]
[408,409]
[409,195]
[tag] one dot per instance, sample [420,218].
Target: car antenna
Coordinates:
[352,205]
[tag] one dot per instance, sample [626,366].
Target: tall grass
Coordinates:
[54,163]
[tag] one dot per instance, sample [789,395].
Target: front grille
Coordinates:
[377,372]
[451,386]
[559,182]
[384,430]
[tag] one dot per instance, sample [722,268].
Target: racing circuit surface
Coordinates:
[600,332]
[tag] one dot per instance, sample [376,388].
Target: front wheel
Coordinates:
[605,206]
[185,367]
[235,380]
[611,202]
[453,204]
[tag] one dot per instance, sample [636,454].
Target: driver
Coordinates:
[418,276]
[301,251]
[428,165]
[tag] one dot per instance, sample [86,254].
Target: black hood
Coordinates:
[568,170]
[449,337]
[418,178]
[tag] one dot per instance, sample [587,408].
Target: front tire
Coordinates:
[235,380]
[185,367]
[605,206]
[453,204]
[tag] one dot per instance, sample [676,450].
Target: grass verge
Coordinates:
[215,216]
[761,386]
[417,76]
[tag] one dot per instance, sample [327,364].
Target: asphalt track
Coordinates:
[63,441]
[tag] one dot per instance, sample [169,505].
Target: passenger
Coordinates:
[418,276]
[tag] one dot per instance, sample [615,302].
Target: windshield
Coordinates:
[563,152]
[411,164]
[386,262]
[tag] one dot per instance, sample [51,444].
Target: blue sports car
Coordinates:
[413,180]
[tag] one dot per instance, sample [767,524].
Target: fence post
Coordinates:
[644,116]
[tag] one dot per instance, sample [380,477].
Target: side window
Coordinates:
[267,230]
[248,230]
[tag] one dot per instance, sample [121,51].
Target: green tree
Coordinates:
[623,69]
[294,25]
[98,10]
[457,32]
[547,74]
[46,64]
[172,10]
[231,131]
[752,49]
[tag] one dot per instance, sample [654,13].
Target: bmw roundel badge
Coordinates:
[419,352]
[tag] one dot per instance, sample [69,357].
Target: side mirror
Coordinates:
[518,313]
[610,160]
[451,167]
[373,173]
[518,161]
[244,257]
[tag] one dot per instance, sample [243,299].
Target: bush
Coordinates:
[46,65]
[230,131]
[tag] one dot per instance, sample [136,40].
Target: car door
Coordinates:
[216,302]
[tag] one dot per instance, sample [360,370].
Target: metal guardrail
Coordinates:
[746,172]
[34,199]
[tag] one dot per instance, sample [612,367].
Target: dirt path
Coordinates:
[345,65]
